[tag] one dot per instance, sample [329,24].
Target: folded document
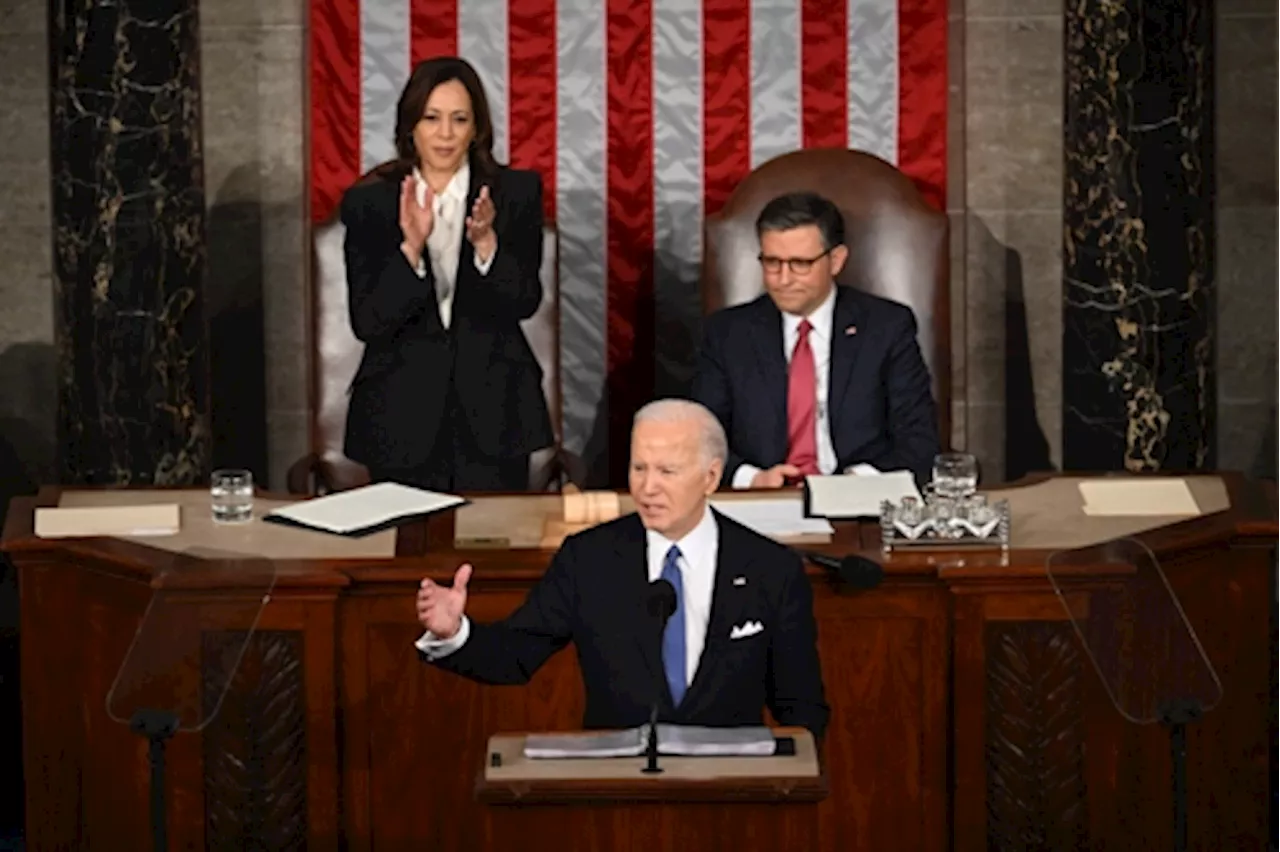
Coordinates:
[363,510]
[857,496]
[684,740]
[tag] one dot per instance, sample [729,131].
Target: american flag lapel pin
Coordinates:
[851,331]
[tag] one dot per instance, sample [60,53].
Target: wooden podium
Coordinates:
[965,716]
[694,803]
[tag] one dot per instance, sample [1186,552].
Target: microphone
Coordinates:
[853,570]
[662,605]
[662,601]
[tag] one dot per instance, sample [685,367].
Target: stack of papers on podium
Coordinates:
[683,740]
[857,496]
[773,517]
[364,510]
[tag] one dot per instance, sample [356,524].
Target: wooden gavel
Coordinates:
[589,507]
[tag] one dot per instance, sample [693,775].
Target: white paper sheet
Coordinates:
[351,511]
[858,496]
[1144,496]
[683,740]
[773,517]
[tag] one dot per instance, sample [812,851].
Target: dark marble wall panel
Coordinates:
[1138,283]
[128,213]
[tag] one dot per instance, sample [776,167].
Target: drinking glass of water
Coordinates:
[231,492]
[955,475]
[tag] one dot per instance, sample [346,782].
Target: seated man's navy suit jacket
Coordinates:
[880,398]
[595,595]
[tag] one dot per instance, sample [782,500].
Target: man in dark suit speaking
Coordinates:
[743,635]
[812,377]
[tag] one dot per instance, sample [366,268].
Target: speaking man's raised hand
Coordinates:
[440,608]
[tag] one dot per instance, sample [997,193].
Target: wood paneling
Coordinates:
[965,715]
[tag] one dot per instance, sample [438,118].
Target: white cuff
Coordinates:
[862,469]
[421,268]
[436,648]
[483,266]
[743,475]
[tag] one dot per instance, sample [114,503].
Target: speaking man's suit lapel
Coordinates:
[633,554]
[730,605]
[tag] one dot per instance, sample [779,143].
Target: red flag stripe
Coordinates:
[335,103]
[726,99]
[433,29]
[823,70]
[531,46]
[629,218]
[922,96]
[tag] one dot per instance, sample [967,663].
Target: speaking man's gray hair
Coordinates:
[714,444]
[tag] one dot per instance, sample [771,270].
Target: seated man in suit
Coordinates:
[813,377]
[743,635]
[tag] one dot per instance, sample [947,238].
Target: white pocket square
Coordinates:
[742,631]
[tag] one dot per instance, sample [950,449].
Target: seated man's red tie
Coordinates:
[802,405]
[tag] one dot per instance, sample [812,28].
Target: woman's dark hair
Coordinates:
[413,103]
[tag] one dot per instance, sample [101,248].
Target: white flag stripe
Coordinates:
[775,79]
[581,183]
[384,68]
[677,173]
[873,77]
[482,41]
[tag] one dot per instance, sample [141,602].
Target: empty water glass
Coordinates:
[231,493]
[955,475]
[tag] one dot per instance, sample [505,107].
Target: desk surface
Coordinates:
[499,534]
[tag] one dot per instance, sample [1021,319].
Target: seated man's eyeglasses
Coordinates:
[798,265]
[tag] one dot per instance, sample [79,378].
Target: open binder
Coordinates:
[363,511]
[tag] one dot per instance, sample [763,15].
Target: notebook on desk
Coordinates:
[151,520]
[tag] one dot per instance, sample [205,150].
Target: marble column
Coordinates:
[128,214]
[1138,214]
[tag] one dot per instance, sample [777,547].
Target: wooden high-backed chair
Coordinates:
[898,245]
[336,355]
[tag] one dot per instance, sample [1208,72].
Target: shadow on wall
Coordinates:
[628,386]
[237,328]
[28,413]
[677,293]
[28,421]
[1026,449]
[1265,464]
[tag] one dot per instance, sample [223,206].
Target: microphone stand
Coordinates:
[1177,715]
[662,605]
[651,750]
[157,726]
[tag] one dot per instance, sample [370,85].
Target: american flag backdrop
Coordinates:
[641,116]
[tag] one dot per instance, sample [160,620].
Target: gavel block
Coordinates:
[580,510]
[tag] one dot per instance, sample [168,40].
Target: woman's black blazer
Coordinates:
[400,391]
